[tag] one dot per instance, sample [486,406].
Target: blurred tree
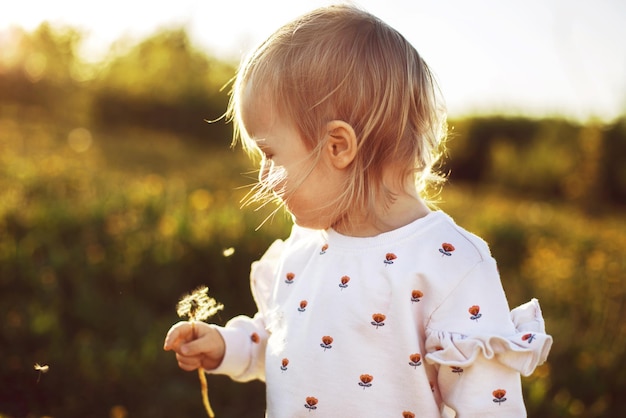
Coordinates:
[582,184]
[164,66]
[612,165]
[48,53]
[44,70]
[164,83]
[472,139]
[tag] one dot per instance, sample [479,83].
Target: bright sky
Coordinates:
[534,57]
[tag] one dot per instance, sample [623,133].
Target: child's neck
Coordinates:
[402,211]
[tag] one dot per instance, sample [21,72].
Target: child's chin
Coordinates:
[309,224]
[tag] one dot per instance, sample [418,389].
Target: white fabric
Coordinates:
[413,321]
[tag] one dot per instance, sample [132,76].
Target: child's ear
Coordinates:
[341,144]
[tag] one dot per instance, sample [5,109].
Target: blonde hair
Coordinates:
[342,63]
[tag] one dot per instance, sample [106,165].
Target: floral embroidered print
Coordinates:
[416,295]
[415,360]
[499,396]
[366,380]
[311,403]
[284,364]
[289,278]
[327,342]
[474,311]
[389,257]
[378,320]
[446,249]
[302,307]
[344,282]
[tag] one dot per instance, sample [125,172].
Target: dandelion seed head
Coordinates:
[198,305]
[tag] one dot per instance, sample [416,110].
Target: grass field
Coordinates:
[101,232]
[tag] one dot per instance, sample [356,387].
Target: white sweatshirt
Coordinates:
[410,323]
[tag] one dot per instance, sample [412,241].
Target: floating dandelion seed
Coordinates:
[41,369]
[199,306]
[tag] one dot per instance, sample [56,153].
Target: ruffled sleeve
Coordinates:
[522,351]
[479,347]
[263,273]
[245,337]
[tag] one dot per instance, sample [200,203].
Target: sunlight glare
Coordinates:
[200,199]
[79,140]
[35,67]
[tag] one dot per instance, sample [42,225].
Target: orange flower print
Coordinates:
[415,360]
[446,249]
[366,380]
[528,337]
[289,278]
[284,364]
[311,403]
[456,369]
[474,311]
[499,396]
[254,337]
[389,257]
[327,342]
[378,320]
[324,248]
[302,307]
[344,282]
[416,295]
[408,414]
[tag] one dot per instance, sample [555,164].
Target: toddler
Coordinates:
[376,305]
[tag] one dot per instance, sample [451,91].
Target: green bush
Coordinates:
[93,259]
[545,158]
[98,242]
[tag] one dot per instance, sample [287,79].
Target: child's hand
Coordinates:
[197,346]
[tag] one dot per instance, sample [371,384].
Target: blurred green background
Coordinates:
[117,197]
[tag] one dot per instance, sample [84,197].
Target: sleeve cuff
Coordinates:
[237,354]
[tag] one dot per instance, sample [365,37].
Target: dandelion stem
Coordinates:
[205,393]
[199,306]
[204,388]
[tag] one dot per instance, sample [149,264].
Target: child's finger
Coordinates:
[188,363]
[196,347]
[178,333]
